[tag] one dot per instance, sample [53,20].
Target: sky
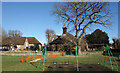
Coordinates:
[33,18]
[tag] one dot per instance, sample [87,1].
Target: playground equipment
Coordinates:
[108,51]
[45,54]
[76,58]
[45,57]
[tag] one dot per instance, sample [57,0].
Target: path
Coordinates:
[82,67]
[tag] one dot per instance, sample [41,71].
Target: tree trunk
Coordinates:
[79,47]
[79,42]
[79,50]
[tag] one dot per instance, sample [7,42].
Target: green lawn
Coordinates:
[12,63]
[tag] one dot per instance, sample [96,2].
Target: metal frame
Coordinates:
[110,54]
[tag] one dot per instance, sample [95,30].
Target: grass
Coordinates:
[13,63]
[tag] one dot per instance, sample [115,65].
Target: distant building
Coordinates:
[19,43]
[116,43]
[65,40]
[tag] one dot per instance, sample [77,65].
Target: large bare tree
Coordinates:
[79,15]
[49,34]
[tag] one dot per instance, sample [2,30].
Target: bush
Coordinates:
[36,47]
[115,52]
[68,50]
[102,48]
[32,48]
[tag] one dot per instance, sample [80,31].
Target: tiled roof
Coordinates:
[64,38]
[69,37]
[59,40]
[19,40]
[15,40]
[33,40]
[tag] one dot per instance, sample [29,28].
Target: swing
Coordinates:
[108,51]
[44,53]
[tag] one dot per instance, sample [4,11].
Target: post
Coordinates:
[76,58]
[44,62]
[40,60]
[46,56]
[44,53]
[110,60]
[114,60]
[110,53]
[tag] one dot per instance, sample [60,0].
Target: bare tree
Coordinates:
[14,33]
[9,39]
[3,35]
[82,14]
[13,36]
[49,34]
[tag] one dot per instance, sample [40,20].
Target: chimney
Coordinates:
[64,29]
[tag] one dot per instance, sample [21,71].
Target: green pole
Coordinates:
[110,60]
[45,51]
[46,56]
[27,58]
[76,58]
[44,62]
[40,60]
[114,60]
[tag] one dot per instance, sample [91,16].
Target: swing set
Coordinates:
[44,53]
[109,53]
[45,57]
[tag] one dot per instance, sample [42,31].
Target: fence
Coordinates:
[27,58]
